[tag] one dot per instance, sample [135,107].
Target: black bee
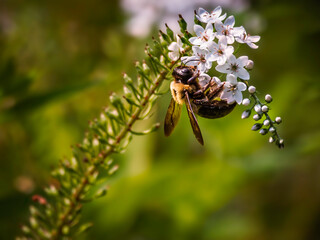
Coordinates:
[204,101]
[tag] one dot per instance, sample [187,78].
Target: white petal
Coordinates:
[241,86]
[229,21]
[228,51]
[221,18]
[212,46]
[232,79]
[227,94]
[230,39]
[232,59]
[211,57]
[217,11]
[195,50]
[223,42]
[221,60]
[204,77]
[242,61]
[238,31]
[198,29]
[252,45]
[243,74]
[202,15]
[223,68]
[202,67]
[208,65]
[218,25]
[229,97]
[254,38]
[201,11]
[239,40]
[195,41]
[172,46]
[238,97]
[174,56]
[209,27]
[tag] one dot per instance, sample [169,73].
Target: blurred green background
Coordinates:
[59,62]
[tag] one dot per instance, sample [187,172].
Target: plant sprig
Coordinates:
[57,214]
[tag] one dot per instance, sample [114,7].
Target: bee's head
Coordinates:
[183,73]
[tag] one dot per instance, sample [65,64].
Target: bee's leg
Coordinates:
[198,94]
[214,92]
[201,92]
[193,80]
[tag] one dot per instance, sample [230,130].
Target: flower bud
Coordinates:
[256,117]
[256,126]
[95,142]
[272,129]
[278,120]
[266,122]
[268,98]
[114,99]
[271,139]
[246,101]
[127,79]
[252,89]
[103,117]
[145,68]
[280,143]
[245,114]
[113,169]
[263,131]
[250,65]
[264,108]
[257,108]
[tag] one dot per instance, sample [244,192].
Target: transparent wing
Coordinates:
[193,120]
[172,117]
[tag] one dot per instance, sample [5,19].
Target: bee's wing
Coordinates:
[193,120]
[172,117]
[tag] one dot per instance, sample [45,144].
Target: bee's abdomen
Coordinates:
[213,109]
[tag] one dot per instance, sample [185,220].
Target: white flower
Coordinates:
[175,49]
[243,37]
[232,90]
[203,35]
[226,29]
[199,59]
[235,66]
[204,16]
[219,52]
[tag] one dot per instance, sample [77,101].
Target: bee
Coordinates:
[204,100]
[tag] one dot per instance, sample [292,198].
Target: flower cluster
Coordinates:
[212,45]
